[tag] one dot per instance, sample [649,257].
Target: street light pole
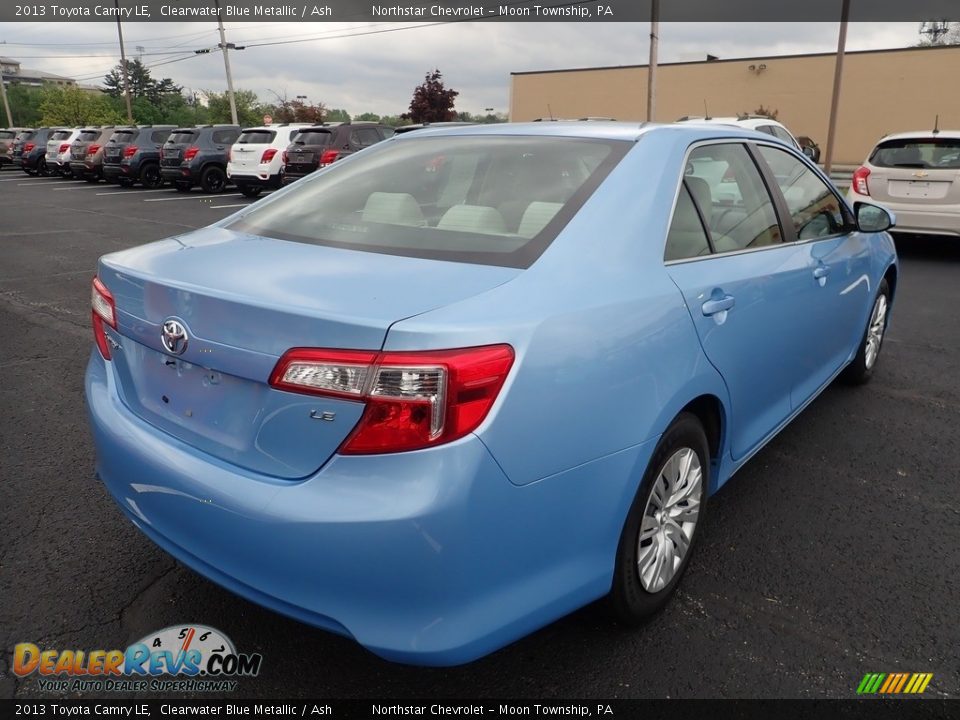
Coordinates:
[837,76]
[123,65]
[652,67]
[226,65]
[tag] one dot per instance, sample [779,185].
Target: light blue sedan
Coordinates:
[469,380]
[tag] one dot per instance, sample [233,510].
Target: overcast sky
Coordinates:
[377,71]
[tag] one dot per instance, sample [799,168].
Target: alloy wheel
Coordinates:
[669,520]
[875,330]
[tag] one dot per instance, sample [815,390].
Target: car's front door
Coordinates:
[837,258]
[745,291]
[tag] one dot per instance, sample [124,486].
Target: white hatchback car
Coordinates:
[58,151]
[256,158]
[917,176]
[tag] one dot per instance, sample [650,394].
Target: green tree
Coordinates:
[250,110]
[432,101]
[297,110]
[367,117]
[71,106]
[142,84]
[337,115]
[25,104]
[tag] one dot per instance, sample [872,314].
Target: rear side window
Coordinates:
[732,198]
[364,137]
[181,137]
[225,137]
[815,210]
[387,132]
[933,153]
[313,137]
[687,237]
[490,200]
[257,137]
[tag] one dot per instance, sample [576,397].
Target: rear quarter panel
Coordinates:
[606,351]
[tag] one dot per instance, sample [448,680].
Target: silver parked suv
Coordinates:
[917,175]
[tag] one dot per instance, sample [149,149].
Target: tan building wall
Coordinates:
[883,92]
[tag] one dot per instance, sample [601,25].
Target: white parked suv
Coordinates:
[917,175]
[256,158]
[58,151]
[760,123]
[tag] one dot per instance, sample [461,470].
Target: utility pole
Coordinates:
[226,65]
[652,67]
[837,76]
[6,103]
[123,65]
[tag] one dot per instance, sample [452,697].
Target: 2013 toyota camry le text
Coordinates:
[467,380]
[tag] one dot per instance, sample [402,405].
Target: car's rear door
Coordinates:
[249,149]
[916,171]
[744,292]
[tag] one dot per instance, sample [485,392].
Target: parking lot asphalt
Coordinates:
[832,554]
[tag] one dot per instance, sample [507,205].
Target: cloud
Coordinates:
[346,68]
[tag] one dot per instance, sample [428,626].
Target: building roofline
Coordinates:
[739,59]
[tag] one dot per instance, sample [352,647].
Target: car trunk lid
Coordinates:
[113,150]
[249,148]
[243,301]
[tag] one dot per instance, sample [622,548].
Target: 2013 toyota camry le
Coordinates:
[468,380]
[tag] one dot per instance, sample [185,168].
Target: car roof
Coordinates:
[601,130]
[922,135]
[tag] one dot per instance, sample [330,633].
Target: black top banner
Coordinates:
[261,11]
[447,708]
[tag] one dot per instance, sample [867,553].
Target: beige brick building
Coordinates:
[883,91]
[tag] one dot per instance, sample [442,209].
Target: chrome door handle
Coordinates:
[821,271]
[712,307]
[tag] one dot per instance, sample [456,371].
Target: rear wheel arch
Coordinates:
[709,410]
[891,277]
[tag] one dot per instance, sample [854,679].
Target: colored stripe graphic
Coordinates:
[894,683]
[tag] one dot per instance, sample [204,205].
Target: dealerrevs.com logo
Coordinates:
[179,658]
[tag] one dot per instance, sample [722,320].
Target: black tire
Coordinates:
[182,186]
[125,182]
[67,173]
[213,179]
[632,603]
[861,369]
[94,178]
[150,176]
[42,169]
[250,191]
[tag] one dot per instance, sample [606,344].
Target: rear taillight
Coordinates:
[29,147]
[268,155]
[285,157]
[413,399]
[104,311]
[328,156]
[63,148]
[93,149]
[230,154]
[191,152]
[860,185]
[130,150]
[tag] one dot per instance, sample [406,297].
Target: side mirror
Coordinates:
[809,152]
[873,218]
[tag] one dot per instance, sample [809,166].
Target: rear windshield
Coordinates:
[89,135]
[933,153]
[122,136]
[61,134]
[488,200]
[257,137]
[181,137]
[313,137]
[7,134]
[26,135]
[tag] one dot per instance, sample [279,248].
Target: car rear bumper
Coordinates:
[176,174]
[267,181]
[430,557]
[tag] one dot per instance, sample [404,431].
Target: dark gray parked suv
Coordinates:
[198,156]
[132,154]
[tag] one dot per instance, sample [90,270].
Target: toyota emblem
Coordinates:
[174,336]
